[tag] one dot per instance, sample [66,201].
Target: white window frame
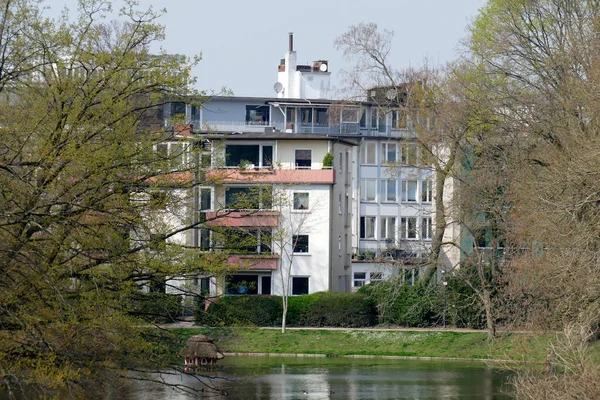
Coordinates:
[409,154]
[405,232]
[365,184]
[368,221]
[364,158]
[426,191]
[405,192]
[294,201]
[387,228]
[385,190]
[426,228]
[359,279]
[385,149]
[311,159]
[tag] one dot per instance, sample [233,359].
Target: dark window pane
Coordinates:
[300,243]
[266,285]
[235,154]
[267,160]
[299,286]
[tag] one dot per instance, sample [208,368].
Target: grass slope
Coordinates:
[517,347]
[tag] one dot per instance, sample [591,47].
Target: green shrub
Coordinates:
[156,307]
[315,310]
[243,310]
[405,305]
[328,159]
[344,310]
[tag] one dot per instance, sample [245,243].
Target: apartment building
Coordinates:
[370,212]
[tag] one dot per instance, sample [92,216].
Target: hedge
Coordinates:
[348,310]
[156,307]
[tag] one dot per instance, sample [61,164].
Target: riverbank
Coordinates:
[468,345]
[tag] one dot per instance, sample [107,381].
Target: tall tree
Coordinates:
[77,228]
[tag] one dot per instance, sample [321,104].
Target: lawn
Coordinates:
[471,345]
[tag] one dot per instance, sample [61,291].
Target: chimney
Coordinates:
[291,41]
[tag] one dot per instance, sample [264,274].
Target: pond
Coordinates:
[339,378]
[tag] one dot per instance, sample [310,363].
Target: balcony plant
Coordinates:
[328,160]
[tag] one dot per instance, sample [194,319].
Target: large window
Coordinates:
[174,154]
[205,199]
[367,227]
[257,115]
[388,228]
[300,243]
[409,191]
[238,240]
[301,201]
[303,159]
[399,119]
[248,198]
[321,117]
[388,190]
[426,191]
[254,154]
[360,279]
[388,152]
[369,153]
[374,118]
[410,154]
[368,189]
[426,228]
[408,228]
[299,285]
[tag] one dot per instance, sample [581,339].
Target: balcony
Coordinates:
[243,218]
[267,175]
[254,261]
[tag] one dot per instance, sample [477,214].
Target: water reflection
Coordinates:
[325,378]
[322,378]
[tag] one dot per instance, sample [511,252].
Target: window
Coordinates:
[300,201]
[374,118]
[265,285]
[303,159]
[360,279]
[299,285]
[174,154]
[306,116]
[426,228]
[399,119]
[248,198]
[254,154]
[388,190]
[237,240]
[408,228]
[205,199]
[300,243]
[340,203]
[363,118]
[409,191]
[426,191]
[341,164]
[388,153]
[367,227]
[368,189]
[350,115]
[257,115]
[321,117]
[340,245]
[409,154]
[369,153]
[375,276]
[388,228]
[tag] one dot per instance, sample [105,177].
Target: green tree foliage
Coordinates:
[78,232]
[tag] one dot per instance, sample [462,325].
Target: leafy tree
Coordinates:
[83,192]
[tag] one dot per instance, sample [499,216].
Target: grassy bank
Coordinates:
[517,347]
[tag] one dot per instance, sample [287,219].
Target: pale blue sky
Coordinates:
[242,41]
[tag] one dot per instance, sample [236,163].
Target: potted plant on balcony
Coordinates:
[328,160]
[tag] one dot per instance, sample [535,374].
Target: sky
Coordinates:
[242,41]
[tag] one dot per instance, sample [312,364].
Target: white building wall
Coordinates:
[315,224]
